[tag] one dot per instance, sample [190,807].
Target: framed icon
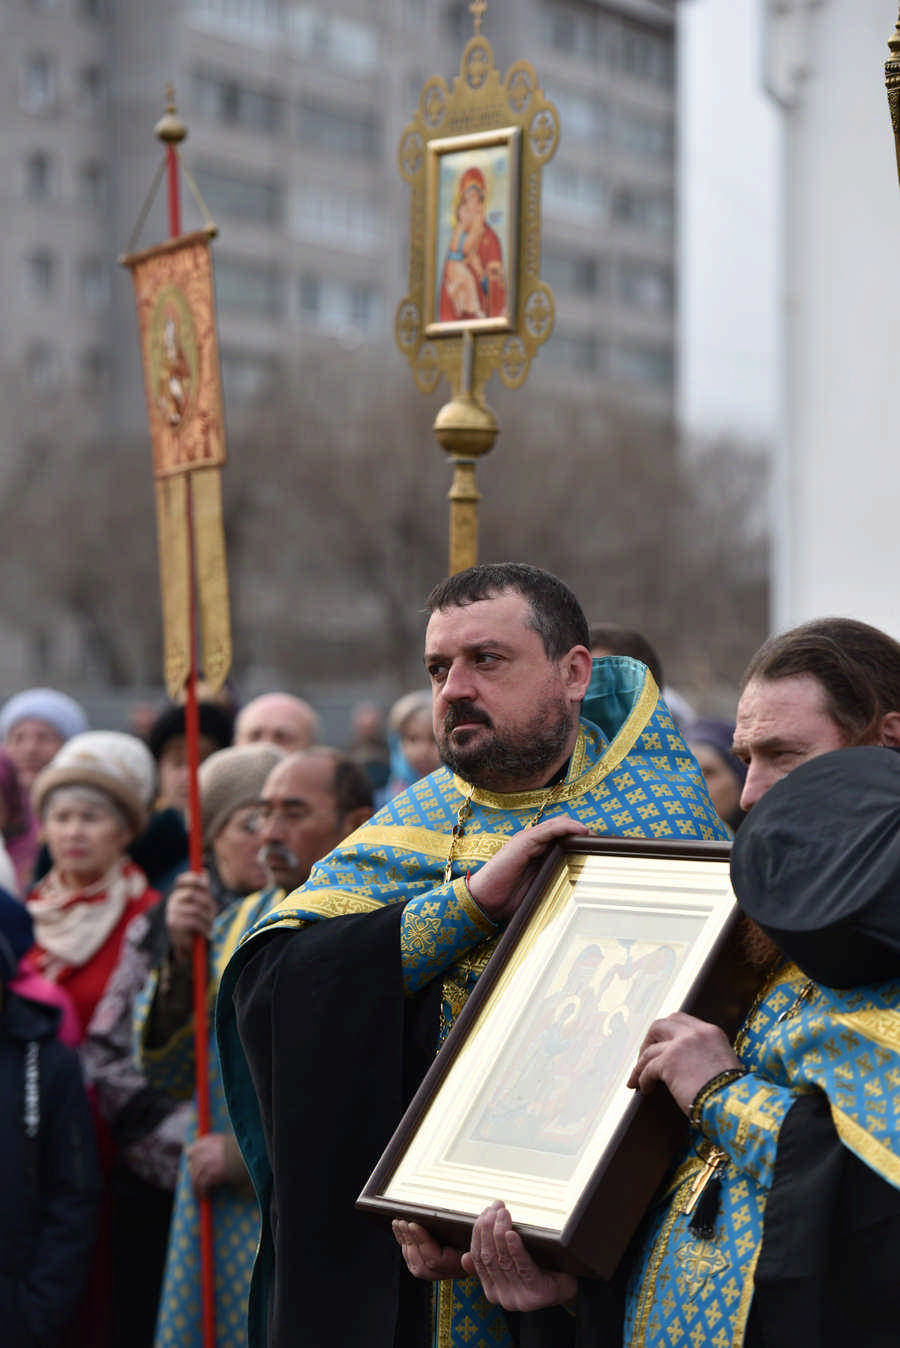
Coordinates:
[472,232]
[527,1100]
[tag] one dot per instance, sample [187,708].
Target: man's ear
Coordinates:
[576,667]
[353,818]
[890,729]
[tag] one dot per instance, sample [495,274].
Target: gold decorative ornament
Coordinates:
[473,156]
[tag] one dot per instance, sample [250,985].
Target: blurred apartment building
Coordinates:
[294,112]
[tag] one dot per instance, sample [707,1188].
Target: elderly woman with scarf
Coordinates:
[92,799]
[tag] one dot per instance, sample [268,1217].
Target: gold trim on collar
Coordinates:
[426,841]
[319,903]
[578,781]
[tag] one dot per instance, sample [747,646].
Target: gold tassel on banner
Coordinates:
[173,285]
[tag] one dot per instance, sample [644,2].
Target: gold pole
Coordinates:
[892,83]
[466,428]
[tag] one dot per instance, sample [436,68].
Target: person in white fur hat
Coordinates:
[92,799]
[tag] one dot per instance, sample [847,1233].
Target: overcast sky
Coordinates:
[729,222]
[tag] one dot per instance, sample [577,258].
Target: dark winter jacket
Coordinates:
[49,1177]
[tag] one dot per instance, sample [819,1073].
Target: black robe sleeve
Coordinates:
[827,1270]
[335,1051]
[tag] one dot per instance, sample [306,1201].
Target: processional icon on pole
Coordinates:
[173,287]
[473,157]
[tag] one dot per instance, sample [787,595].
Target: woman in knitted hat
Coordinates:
[91,800]
[34,725]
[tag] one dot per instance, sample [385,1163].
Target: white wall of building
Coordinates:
[837,480]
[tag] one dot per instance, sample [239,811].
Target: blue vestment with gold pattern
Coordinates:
[235,1213]
[630,775]
[801,1040]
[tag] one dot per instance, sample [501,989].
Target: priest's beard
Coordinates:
[502,759]
[758,949]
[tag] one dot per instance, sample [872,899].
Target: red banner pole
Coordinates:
[195,859]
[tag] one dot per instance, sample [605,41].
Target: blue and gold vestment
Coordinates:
[630,775]
[800,1039]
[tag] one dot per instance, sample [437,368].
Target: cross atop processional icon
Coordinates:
[496,134]
[478,9]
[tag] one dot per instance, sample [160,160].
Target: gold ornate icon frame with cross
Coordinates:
[460,127]
[473,156]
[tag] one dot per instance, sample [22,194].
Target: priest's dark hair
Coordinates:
[857,666]
[556,614]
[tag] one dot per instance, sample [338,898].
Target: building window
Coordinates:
[571,274]
[253,288]
[42,366]
[38,83]
[573,192]
[310,297]
[364,307]
[222,98]
[92,184]
[643,364]
[336,130]
[240,198]
[571,30]
[573,353]
[335,305]
[653,213]
[582,118]
[647,286]
[458,22]
[646,54]
[40,270]
[93,369]
[346,220]
[92,90]
[38,176]
[644,137]
[94,284]
[246,375]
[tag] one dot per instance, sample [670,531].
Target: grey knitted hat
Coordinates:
[230,779]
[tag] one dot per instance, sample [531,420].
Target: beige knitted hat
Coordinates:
[119,764]
[230,779]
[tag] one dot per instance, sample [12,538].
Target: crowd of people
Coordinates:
[349,900]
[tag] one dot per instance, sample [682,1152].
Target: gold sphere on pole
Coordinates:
[170,129]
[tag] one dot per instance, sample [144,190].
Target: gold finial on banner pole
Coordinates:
[170,129]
